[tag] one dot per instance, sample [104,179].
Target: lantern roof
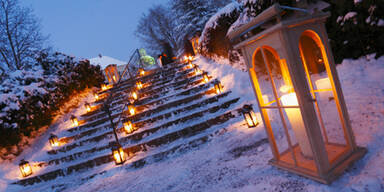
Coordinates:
[274,18]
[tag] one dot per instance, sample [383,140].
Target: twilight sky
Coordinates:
[85,28]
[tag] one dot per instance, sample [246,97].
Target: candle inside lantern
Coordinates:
[131,109]
[25,168]
[205,77]
[54,140]
[118,154]
[96,96]
[218,88]
[197,70]
[324,87]
[295,118]
[114,78]
[134,95]
[128,127]
[139,85]
[87,107]
[74,120]
[104,87]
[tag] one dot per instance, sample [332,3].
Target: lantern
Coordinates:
[190,65]
[25,168]
[218,87]
[74,121]
[134,95]
[54,140]
[141,72]
[298,91]
[249,116]
[131,109]
[104,87]
[96,96]
[129,127]
[139,85]
[197,70]
[205,77]
[88,107]
[118,154]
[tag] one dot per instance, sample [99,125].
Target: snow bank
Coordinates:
[104,61]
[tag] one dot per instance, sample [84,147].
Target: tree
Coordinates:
[20,36]
[157,28]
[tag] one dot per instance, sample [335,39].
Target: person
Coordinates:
[159,60]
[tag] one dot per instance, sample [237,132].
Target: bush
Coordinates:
[30,98]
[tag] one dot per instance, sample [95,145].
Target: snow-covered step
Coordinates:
[145,131]
[179,135]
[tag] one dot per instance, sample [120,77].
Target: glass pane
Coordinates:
[265,84]
[291,116]
[321,89]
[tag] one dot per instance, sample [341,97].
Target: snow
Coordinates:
[220,165]
[104,61]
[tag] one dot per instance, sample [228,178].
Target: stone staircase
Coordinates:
[176,111]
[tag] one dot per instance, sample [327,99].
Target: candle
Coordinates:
[324,86]
[295,118]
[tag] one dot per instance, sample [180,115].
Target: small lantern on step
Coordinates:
[118,154]
[249,116]
[139,85]
[88,107]
[96,96]
[25,168]
[131,109]
[218,87]
[141,72]
[128,127]
[104,87]
[190,65]
[197,70]
[205,77]
[134,95]
[54,140]
[74,121]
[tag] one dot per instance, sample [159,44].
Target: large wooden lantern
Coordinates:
[25,168]
[298,90]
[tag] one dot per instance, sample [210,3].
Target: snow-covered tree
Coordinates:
[192,16]
[213,40]
[20,36]
[157,28]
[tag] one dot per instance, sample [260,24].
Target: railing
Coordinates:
[129,73]
[131,67]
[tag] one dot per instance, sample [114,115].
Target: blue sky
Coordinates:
[85,28]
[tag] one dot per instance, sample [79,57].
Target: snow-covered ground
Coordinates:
[237,158]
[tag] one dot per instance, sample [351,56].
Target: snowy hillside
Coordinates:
[104,61]
[236,158]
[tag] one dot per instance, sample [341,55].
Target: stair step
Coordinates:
[147,132]
[165,139]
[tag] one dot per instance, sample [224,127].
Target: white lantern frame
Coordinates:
[282,44]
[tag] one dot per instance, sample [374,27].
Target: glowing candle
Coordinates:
[131,109]
[134,95]
[128,127]
[295,118]
[324,86]
[103,87]
[88,107]
[96,96]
